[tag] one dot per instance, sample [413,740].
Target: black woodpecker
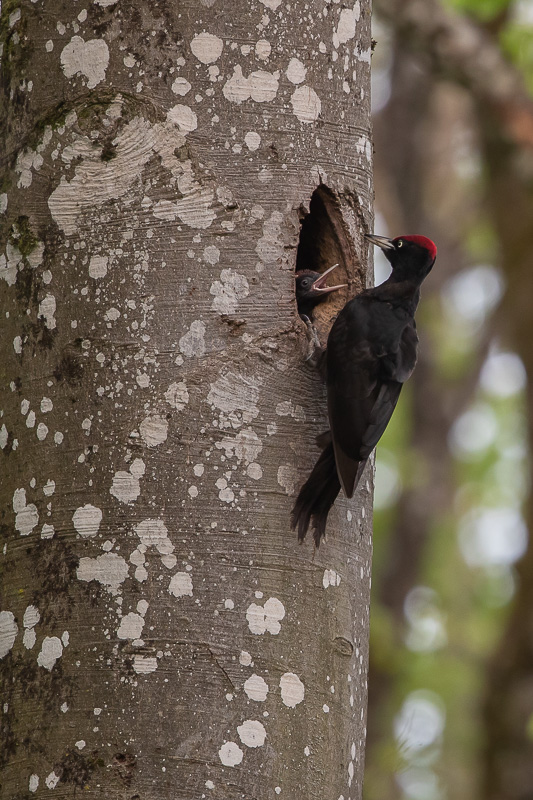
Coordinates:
[371,351]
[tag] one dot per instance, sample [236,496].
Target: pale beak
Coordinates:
[380,241]
[318,285]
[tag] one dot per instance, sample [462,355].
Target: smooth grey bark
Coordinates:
[162,634]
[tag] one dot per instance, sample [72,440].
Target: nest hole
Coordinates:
[323,239]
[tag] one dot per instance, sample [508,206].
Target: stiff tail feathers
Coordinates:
[316,497]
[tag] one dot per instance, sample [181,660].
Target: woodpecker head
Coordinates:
[310,289]
[411,257]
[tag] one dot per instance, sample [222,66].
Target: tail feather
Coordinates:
[316,497]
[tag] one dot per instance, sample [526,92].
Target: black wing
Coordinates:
[372,350]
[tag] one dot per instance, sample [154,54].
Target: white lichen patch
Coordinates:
[51,650]
[364,145]
[363,55]
[252,140]
[27,516]
[245,658]
[227,292]
[154,533]
[143,665]
[177,395]
[267,618]
[211,254]
[89,59]
[47,310]
[184,117]
[131,626]
[154,430]
[330,578]
[192,344]
[207,48]
[181,87]
[270,245]
[230,754]
[112,314]
[27,160]
[256,688]
[87,520]
[348,19]
[31,617]
[252,733]
[29,638]
[126,486]
[272,4]
[292,689]
[9,264]
[260,86]
[46,405]
[181,585]
[296,71]
[35,258]
[52,780]
[96,182]
[254,471]
[47,531]
[98,266]
[109,569]
[287,409]
[225,493]
[306,104]
[263,48]
[33,783]
[14,17]
[236,396]
[288,478]
[245,446]
[8,632]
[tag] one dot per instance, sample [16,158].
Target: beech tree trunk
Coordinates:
[166,167]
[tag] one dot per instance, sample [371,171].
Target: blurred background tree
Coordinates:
[451,677]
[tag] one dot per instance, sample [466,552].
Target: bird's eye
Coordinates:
[399,243]
[305,282]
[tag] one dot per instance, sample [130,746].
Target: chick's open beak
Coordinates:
[318,285]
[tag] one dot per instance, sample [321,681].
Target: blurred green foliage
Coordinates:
[483,10]
[517,44]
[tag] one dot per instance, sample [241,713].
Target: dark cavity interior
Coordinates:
[323,240]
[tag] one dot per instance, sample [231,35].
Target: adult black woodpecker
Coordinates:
[310,289]
[371,351]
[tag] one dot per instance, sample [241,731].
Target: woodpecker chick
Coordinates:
[310,289]
[371,351]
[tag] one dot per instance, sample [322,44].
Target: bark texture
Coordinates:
[162,635]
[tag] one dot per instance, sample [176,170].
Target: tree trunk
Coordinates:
[162,634]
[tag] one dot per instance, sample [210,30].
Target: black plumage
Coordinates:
[371,352]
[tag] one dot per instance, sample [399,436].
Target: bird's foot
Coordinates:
[315,351]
